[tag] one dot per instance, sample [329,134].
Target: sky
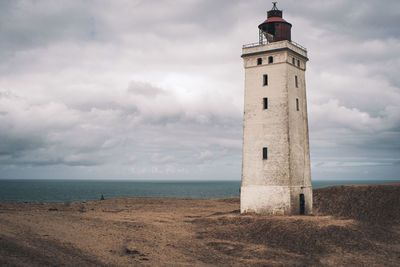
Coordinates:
[146,89]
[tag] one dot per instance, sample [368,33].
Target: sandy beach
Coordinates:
[352,225]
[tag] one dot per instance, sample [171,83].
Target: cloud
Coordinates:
[358,19]
[150,89]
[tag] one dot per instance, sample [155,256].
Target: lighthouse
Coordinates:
[276,178]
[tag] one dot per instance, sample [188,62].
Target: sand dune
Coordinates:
[352,225]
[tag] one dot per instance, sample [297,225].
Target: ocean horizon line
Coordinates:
[179,180]
[81,190]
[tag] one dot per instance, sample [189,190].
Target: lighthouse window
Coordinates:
[266,103]
[297,104]
[298,63]
[271,59]
[293,61]
[265,79]
[259,61]
[296,82]
[265,152]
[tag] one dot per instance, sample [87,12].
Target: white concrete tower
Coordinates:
[276,157]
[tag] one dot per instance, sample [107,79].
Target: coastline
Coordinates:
[90,190]
[352,225]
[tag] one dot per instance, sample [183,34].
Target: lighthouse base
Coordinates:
[276,200]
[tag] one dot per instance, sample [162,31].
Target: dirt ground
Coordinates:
[352,225]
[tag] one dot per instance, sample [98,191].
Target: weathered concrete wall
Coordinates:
[269,186]
[263,199]
[300,173]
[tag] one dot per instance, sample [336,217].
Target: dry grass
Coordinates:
[353,225]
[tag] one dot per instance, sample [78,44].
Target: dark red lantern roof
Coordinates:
[275,19]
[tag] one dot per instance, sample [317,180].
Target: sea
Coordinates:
[88,190]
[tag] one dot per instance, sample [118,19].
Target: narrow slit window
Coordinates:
[265,103]
[297,104]
[265,82]
[271,59]
[298,63]
[293,61]
[296,82]
[265,153]
[259,61]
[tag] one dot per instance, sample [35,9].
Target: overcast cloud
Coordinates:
[154,89]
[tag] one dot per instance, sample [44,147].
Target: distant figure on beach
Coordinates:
[102,197]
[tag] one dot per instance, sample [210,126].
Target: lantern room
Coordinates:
[275,28]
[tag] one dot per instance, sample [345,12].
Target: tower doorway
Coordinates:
[302,204]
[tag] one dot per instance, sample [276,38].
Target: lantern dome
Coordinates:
[275,28]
